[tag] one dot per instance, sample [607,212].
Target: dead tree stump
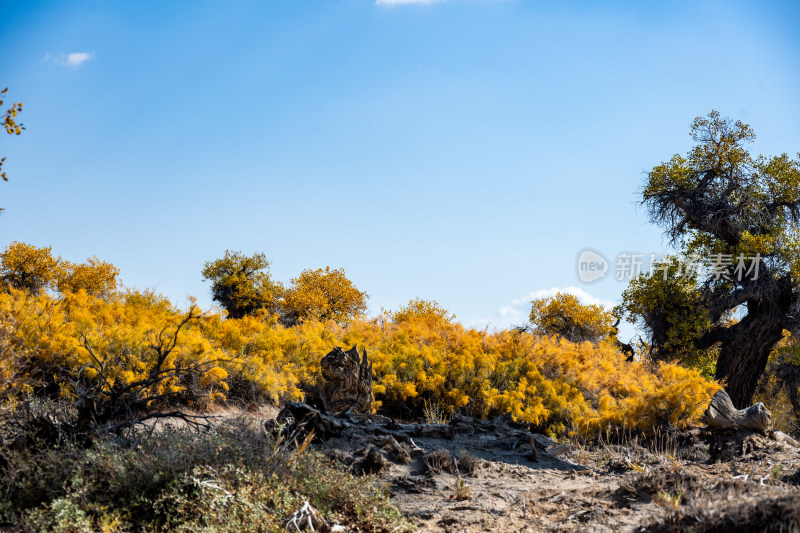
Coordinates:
[722,414]
[347,384]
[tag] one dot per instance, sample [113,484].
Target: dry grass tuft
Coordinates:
[438,461]
[468,463]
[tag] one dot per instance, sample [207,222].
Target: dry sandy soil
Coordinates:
[475,476]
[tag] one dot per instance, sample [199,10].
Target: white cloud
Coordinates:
[584,297]
[509,312]
[516,314]
[72,60]
[391,3]
[76,59]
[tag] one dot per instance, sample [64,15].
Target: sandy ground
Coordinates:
[690,481]
[695,480]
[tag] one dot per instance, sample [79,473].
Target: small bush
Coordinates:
[434,413]
[461,490]
[233,478]
[468,463]
[438,461]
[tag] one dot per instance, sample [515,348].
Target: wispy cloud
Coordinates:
[584,297]
[392,3]
[516,313]
[72,60]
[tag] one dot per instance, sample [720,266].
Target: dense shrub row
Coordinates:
[421,357]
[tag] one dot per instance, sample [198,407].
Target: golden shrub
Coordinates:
[420,356]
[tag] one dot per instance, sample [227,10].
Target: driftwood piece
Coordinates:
[374,462]
[722,414]
[400,453]
[347,382]
[785,439]
[396,441]
[534,456]
[307,519]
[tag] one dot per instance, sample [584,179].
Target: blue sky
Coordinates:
[460,151]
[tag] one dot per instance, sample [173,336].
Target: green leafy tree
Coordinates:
[669,307]
[242,284]
[731,212]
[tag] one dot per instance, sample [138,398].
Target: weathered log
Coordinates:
[722,414]
[347,382]
[400,453]
[785,439]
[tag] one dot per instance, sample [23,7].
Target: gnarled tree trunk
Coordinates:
[347,381]
[746,347]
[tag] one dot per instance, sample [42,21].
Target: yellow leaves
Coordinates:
[720,142]
[57,335]
[32,269]
[126,377]
[428,312]
[96,277]
[11,127]
[324,294]
[672,394]
[420,356]
[667,177]
[215,376]
[242,284]
[563,314]
[409,391]
[782,177]
[28,268]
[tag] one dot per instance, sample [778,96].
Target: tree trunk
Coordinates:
[347,381]
[789,374]
[745,350]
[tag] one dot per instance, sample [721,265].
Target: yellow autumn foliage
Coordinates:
[95,277]
[563,314]
[323,294]
[26,267]
[421,356]
[78,335]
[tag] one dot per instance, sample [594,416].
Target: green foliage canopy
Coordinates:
[720,206]
[242,284]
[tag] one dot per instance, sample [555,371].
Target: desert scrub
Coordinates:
[425,364]
[232,478]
